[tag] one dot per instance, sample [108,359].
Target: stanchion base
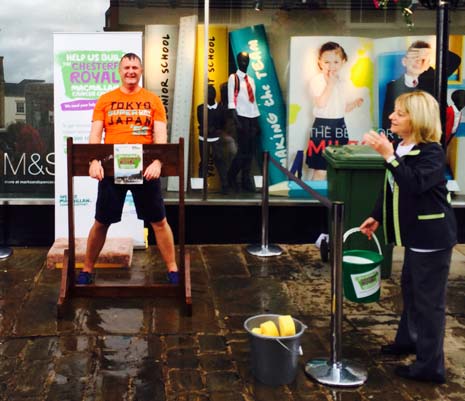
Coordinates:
[5,252]
[342,374]
[262,250]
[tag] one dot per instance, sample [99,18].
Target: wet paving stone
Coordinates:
[284,271]
[103,317]
[281,267]
[112,386]
[182,358]
[11,348]
[182,380]
[221,263]
[29,379]
[40,348]
[148,349]
[220,381]
[148,383]
[212,343]
[122,353]
[216,362]
[189,397]
[262,392]
[240,350]
[227,397]
[175,341]
[242,295]
[170,318]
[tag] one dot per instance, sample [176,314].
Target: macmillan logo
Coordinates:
[63,201]
[88,74]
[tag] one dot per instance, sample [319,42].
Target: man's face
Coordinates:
[417,61]
[130,72]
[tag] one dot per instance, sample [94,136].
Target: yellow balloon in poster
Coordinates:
[362,74]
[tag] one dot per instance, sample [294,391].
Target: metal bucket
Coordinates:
[274,359]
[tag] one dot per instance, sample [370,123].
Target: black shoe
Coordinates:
[394,349]
[406,372]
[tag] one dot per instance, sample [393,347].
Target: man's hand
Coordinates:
[96,170]
[153,171]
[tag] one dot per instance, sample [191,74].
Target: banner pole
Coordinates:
[336,371]
[264,249]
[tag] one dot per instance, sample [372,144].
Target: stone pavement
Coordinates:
[138,349]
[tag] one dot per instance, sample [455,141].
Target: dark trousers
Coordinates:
[216,150]
[422,324]
[247,132]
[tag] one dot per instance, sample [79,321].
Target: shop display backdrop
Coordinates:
[174,71]
[370,67]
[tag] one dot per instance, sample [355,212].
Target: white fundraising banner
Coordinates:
[85,67]
[184,86]
[161,42]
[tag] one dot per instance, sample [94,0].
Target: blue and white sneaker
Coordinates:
[173,277]
[85,278]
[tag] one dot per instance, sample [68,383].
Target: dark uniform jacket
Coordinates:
[414,206]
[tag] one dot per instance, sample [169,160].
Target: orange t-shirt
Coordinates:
[129,118]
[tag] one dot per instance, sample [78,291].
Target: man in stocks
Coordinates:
[129,114]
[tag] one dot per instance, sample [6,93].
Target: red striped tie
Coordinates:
[249,89]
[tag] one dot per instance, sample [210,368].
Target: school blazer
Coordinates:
[414,206]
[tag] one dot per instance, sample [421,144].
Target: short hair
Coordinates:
[423,110]
[419,44]
[131,56]
[332,46]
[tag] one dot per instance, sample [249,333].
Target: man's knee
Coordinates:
[101,226]
[160,225]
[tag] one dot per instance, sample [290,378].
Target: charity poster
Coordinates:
[272,119]
[85,67]
[220,139]
[128,164]
[351,110]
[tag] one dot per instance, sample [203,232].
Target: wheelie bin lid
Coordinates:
[353,156]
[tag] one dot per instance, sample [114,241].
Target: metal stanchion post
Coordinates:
[265,249]
[336,372]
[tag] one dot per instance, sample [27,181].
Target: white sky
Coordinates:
[27,27]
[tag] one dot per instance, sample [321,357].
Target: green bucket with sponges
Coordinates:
[361,272]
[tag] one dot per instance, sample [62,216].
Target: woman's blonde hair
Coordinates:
[423,110]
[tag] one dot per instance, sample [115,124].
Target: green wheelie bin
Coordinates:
[355,177]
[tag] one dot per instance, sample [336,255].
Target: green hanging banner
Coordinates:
[272,119]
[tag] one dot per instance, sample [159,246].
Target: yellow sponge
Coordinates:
[269,329]
[286,325]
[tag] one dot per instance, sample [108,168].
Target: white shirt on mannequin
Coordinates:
[244,107]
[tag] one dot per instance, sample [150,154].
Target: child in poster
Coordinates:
[331,103]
